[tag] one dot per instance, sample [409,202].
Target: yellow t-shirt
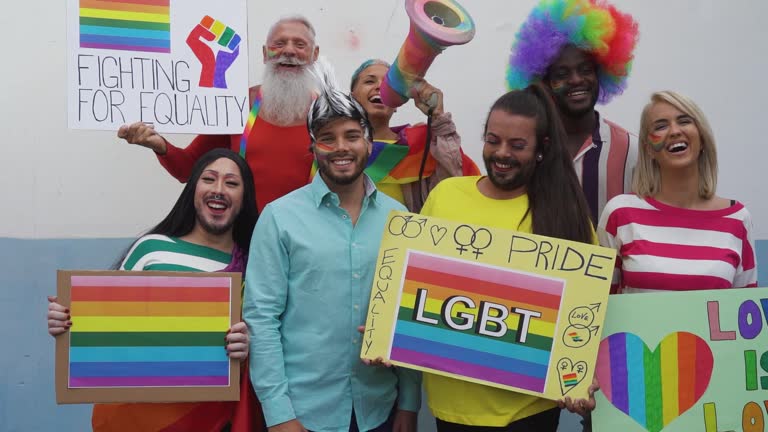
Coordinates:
[394,190]
[463,402]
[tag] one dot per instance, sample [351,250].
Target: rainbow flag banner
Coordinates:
[684,361]
[138,332]
[495,307]
[130,25]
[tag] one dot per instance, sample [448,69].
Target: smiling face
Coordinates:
[509,151]
[341,151]
[673,137]
[290,47]
[367,91]
[218,196]
[572,78]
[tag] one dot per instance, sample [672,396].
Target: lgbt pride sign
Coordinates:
[684,361]
[147,336]
[181,65]
[496,307]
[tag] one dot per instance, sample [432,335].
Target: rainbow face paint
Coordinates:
[271,53]
[657,141]
[322,151]
[557,86]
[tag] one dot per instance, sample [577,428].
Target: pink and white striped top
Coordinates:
[665,248]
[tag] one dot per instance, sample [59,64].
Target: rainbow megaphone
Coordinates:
[435,25]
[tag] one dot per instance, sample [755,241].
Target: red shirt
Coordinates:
[279,158]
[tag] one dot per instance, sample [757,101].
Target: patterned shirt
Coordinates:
[604,164]
[666,248]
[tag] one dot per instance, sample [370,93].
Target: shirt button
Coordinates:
[356,275]
[327,204]
[343,216]
[357,307]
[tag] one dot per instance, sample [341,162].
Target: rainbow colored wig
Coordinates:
[594,26]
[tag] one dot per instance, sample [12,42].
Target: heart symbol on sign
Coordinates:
[437,233]
[654,387]
[570,374]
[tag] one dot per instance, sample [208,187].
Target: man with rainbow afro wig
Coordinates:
[582,51]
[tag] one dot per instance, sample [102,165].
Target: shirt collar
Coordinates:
[591,142]
[321,192]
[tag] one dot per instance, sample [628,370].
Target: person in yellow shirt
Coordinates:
[531,186]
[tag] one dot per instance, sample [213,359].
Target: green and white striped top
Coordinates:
[163,253]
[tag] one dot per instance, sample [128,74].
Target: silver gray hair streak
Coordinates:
[332,104]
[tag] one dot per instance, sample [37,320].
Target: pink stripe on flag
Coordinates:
[537,283]
[160,381]
[123,47]
[468,369]
[151,281]
[603,368]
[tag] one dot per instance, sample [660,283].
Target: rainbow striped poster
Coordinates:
[684,361]
[144,332]
[131,25]
[180,66]
[495,307]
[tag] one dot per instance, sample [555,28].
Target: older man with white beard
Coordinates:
[276,147]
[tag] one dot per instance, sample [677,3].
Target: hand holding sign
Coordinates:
[143,134]
[214,68]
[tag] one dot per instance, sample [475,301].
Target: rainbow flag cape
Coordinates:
[399,164]
[243,416]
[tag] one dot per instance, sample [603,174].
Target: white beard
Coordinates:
[286,96]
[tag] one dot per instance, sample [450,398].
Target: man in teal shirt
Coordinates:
[310,272]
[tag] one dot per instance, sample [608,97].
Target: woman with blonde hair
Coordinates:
[675,233]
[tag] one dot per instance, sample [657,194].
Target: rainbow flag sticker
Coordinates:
[570,380]
[148,331]
[130,25]
[445,323]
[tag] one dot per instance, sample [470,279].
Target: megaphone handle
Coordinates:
[432,102]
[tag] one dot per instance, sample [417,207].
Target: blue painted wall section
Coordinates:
[28,268]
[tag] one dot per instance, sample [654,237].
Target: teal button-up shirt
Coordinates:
[308,283]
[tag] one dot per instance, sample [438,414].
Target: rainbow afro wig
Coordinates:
[594,26]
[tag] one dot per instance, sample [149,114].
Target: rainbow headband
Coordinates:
[609,35]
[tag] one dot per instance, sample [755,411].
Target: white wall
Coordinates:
[63,184]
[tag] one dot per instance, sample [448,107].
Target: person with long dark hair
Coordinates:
[208,229]
[530,187]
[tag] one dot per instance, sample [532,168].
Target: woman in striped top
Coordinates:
[675,234]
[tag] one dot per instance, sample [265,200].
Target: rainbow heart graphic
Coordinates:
[654,387]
